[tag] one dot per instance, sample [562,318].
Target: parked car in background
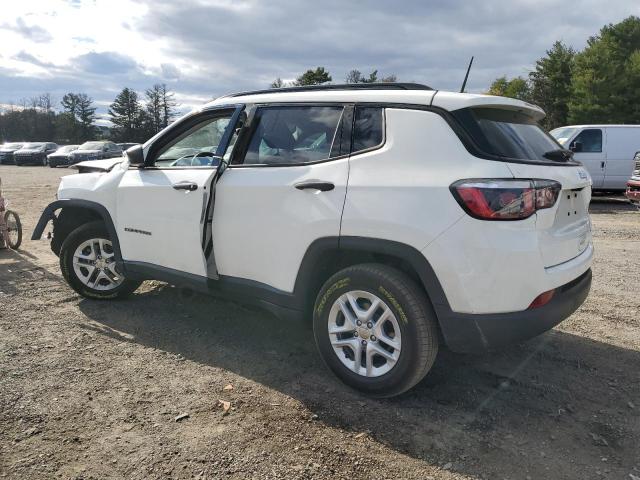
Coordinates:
[606,151]
[34,153]
[126,146]
[6,152]
[95,150]
[61,156]
[633,184]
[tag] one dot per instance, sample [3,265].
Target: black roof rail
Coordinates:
[344,86]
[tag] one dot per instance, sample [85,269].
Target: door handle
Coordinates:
[601,164]
[321,186]
[190,186]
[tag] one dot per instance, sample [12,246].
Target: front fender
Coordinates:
[49,214]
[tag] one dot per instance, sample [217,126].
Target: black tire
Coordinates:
[78,236]
[12,221]
[414,314]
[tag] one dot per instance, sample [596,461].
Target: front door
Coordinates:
[588,150]
[285,188]
[162,208]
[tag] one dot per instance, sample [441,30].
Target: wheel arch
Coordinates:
[74,213]
[326,256]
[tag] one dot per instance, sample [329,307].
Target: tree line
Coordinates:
[320,75]
[134,120]
[600,84]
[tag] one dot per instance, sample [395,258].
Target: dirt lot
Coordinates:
[92,390]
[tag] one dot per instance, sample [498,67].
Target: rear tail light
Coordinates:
[505,199]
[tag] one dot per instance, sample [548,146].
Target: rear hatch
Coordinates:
[510,133]
[564,231]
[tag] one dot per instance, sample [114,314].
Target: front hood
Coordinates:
[8,151]
[97,165]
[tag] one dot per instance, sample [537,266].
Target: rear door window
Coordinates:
[292,135]
[506,133]
[367,128]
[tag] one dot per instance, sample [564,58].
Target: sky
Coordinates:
[205,48]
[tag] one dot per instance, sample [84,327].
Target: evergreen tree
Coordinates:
[127,117]
[551,84]
[606,76]
[86,115]
[314,77]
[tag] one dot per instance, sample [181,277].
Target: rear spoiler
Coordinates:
[455,101]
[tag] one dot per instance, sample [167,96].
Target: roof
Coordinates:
[401,93]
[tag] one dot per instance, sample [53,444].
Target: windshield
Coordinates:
[33,146]
[67,149]
[13,146]
[91,146]
[563,134]
[506,133]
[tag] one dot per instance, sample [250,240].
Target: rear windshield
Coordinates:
[506,133]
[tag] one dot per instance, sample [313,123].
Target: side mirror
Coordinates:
[576,146]
[135,155]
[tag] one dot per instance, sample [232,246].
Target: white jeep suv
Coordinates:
[395,217]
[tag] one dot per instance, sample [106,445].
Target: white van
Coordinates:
[606,151]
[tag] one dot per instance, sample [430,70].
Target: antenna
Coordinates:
[464,84]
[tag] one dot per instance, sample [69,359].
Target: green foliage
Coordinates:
[159,109]
[128,117]
[517,87]
[606,76]
[314,77]
[355,76]
[600,84]
[551,84]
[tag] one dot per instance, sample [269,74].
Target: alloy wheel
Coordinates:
[364,333]
[95,265]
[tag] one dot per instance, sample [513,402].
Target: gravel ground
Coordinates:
[133,389]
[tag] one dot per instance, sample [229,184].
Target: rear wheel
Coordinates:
[375,329]
[88,264]
[14,229]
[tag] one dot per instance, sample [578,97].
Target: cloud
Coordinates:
[104,63]
[206,48]
[170,71]
[28,58]
[32,32]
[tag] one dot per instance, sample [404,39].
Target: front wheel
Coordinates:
[88,264]
[375,329]
[14,229]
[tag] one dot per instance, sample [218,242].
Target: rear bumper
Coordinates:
[469,333]
[633,191]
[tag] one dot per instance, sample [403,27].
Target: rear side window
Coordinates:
[506,133]
[367,128]
[293,135]
[588,141]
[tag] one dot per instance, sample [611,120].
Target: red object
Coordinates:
[633,191]
[542,299]
[505,199]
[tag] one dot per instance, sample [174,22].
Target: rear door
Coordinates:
[588,150]
[162,207]
[285,188]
